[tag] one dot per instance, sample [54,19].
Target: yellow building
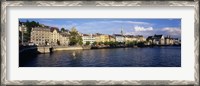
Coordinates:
[112,38]
[140,38]
[55,36]
[101,38]
[129,38]
[104,38]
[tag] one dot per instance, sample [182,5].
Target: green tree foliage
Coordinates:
[87,43]
[131,43]
[29,26]
[100,43]
[75,38]
[140,44]
[106,43]
[62,29]
[94,43]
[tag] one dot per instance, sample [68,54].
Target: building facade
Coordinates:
[40,36]
[44,36]
[140,38]
[119,38]
[169,40]
[101,38]
[131,38]
[161,40]
[111,38]
[64,39]
[88,38]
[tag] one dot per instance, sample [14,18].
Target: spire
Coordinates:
[122,33]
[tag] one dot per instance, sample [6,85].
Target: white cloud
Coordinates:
[133,22]
[172,31]
[138,28]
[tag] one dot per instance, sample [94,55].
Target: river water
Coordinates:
[169,56]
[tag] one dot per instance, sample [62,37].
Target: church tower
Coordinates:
[122,33]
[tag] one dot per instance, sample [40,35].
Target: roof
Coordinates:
[158,36]
[175,38]
[98,34]
[129,36]
[64,34]
[40,29]
[149,37]
[54,28]
[111,36]
[117,35]
[85,35]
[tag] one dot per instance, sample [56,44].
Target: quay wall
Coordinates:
[43,49]
[67,48]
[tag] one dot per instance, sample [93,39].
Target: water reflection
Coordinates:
[121,57]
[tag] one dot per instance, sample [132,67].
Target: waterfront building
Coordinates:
[88,38]
[40,36]
[101,37]
[104,38]
[64,38]
[129,38]
[97,37]
[156,39]
[49,36]
[159,40]
[139,38]
[22,30]
[150,40]
[169,40]
[55,36]
[176,41]
[119,38]
[111,38]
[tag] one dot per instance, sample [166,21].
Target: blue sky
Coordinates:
[146,27]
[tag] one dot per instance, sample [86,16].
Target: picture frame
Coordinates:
[4,52]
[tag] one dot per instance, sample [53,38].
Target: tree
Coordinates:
[140,44]
[80,43]
[100,43]
[75,38]
[87,43]
[106,43]
[62,29]
[29,26]
[94,43]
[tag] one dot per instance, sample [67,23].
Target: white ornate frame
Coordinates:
[5,4]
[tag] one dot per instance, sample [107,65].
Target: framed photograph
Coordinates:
[100,42]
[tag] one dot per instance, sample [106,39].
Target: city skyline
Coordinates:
[133,26]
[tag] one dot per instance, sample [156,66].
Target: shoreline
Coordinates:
[145,46]
[48,49]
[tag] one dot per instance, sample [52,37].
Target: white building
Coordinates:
[119,38]
[88,38]
[156,39]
